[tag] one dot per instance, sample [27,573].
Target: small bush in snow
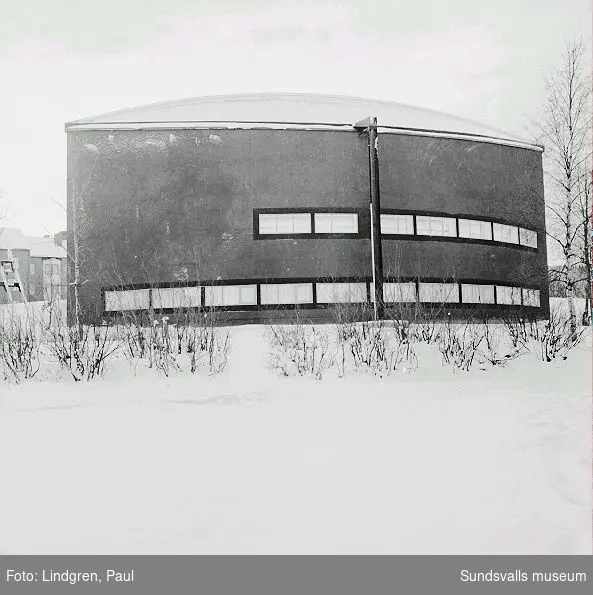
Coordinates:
[380,346]
[459,346]
[82,351]
[186,340]
[554,336]
[299,349]
[518,333]
[19,346]
[496,349]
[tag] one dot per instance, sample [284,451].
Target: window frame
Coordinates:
[480,287]
[268,287]
[526,300]
[432,223]
[397,218]
[502,289]
[505,227]
[525,234]
[211,290]
[484,224]
[143,305]
[360,288]
[454,292]
[161,304]
[332,215]
[390,289]
[285,216]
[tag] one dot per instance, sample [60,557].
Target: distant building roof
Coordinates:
[286,109]
[14,239]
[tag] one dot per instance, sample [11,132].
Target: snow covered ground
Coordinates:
[248,462]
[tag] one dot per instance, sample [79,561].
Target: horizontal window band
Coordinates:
[454,227]
[389,211]
[454,214]
[447,293]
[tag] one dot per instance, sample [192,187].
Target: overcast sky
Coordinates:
[66,59]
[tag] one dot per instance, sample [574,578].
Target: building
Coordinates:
[254,204]
[40,263]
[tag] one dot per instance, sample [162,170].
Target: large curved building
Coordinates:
[255,204]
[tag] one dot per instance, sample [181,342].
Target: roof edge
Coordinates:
[253,125]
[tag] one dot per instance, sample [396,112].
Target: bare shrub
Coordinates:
[459,346]
[299,349]
[556,337]
[83,351]
[517,332]
[185,340]
[380,346]
[19,346]
[499,346]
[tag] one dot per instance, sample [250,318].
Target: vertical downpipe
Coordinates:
[376,219]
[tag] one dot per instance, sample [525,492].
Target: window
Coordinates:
[477,230]
[32,289]
[477,294]
[336,293]
[506,233]
[528,237]
[399,292]
[508,295]
[436,226]
[439,293]
[128,299]
[397,224]
[531,297]
[31,269]
[231,295]
[284,223]
[287,293]
[336,223]
[176,297]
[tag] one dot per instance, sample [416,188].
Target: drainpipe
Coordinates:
[369,125]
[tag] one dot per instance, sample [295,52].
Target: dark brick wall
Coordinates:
[461,177]
[156,208]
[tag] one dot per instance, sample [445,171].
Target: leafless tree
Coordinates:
[564,130]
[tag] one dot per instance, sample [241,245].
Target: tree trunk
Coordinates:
[75,231]
[571,265]
[588,280]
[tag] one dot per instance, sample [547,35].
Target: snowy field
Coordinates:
[494,461]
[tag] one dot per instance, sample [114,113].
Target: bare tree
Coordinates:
[584,204]
[564,130]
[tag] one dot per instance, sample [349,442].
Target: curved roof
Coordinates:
[287,110]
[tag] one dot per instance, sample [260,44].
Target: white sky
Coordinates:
[67,59]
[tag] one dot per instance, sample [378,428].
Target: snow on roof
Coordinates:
[291,109]
[14,239]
